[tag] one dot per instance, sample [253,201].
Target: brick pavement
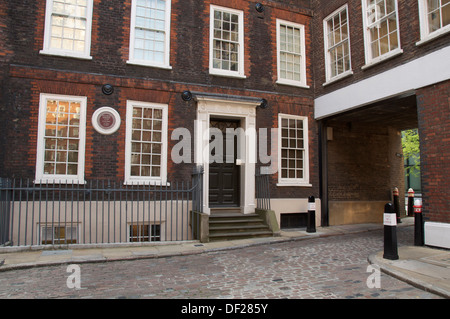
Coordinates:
[332,268]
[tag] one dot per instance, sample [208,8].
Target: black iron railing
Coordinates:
[262,187]
[100,211]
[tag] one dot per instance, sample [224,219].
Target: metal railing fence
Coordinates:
[100,211]
[262,187]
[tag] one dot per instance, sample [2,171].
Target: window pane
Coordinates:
[149,32]
[382,23]
[338,44]
[446,14]
[292,148]
[62,139]
[68,25]
[146,135]
[226,38]
[289,52]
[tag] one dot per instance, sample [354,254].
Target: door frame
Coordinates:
[236,108]
[236,168]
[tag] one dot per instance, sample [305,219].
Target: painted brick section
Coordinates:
[433,105]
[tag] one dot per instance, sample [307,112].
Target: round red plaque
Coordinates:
[106,120]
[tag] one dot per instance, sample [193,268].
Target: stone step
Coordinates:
[234,220]
[227,225]
[239,235]
[238,228]
[228,216]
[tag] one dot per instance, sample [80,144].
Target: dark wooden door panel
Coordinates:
[224,178]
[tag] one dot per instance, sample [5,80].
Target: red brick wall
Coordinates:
[432,102]
[433,105]
[409,35]
[32,73]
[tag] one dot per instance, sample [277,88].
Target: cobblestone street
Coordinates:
[331,267]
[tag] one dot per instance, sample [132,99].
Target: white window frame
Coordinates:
[47,50]
[326,31]
[302,182]
[370,61]
[132,60]
[144,180]
[40,153]
[303,81]
[240,73]
[49,229]
[425,34]
[152,237]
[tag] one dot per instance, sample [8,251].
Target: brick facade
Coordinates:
[25,74]
[30,73]
[434,127]
[409,36]
[370,170]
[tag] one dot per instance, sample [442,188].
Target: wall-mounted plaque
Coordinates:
[106,120]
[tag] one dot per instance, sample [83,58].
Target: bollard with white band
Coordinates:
[410,202]
[418,224]
[311,227]
[390,233]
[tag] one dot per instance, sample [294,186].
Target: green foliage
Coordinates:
[411,151]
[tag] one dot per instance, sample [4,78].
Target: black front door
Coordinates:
[224,177]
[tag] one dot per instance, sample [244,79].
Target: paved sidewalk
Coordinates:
[423,267]
[21,257]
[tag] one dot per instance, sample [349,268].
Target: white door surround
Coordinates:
[228,107]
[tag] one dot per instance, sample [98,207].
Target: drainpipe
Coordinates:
[323,173]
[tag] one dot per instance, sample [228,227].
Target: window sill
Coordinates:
[293,83]
[338,78]
[434,35]
[293,184]
[382,58]
[227,74]
[146,182]
[60,181]
[140,63]
[65,54]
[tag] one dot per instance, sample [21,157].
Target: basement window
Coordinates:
[59,235]
[145,233]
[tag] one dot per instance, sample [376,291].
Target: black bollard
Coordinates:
[390,233]
[418,224]
[410,202]
[311,227]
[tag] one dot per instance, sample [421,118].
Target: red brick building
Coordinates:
[382,67]
[92,89]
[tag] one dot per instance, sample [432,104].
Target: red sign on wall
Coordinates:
[106,120]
